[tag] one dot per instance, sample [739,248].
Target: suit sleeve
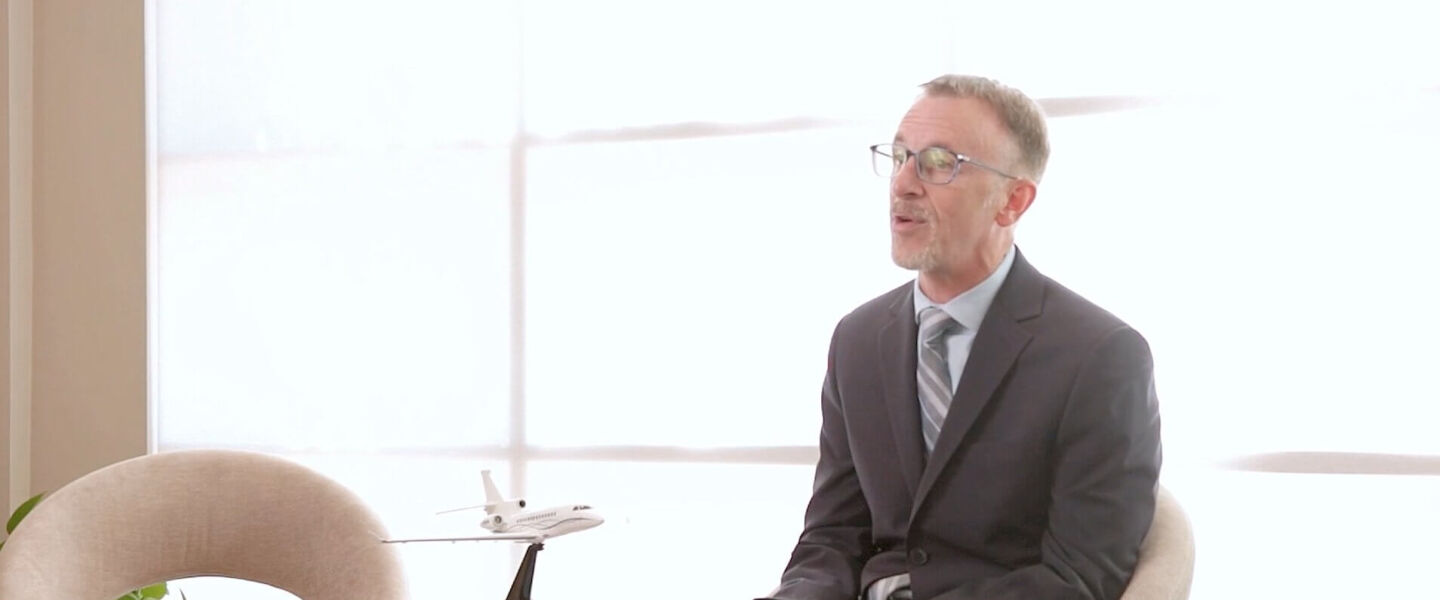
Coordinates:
[835,542]
[1107,465]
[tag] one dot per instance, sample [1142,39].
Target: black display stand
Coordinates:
[520,590]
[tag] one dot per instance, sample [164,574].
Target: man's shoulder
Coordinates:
[1068,314]
[880,308]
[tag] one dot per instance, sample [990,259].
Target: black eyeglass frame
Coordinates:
[960,159]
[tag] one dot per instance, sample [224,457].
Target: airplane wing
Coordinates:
[498,537]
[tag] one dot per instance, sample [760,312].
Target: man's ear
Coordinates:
[1018,198]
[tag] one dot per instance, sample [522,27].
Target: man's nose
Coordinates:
[906,183]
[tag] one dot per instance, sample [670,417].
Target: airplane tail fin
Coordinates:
[492,493]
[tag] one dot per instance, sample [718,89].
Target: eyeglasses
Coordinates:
[934,164]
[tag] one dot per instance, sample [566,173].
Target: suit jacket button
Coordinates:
[918,556]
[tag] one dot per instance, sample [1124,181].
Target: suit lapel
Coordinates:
[992,355]
[898,380]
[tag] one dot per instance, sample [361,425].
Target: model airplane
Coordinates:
[509,520]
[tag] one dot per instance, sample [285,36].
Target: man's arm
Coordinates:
[827,560]
[1106,470]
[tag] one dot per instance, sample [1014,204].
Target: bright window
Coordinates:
[599,248]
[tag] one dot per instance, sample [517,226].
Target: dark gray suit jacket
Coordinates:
[1042,483]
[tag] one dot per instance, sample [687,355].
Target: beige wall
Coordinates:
[86,242]
[5,401]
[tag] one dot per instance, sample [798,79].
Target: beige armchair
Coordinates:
[1167,556]
[203,512]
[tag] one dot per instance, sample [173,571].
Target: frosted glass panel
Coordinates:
[333,241]
[684,292]
[1110,47]
[1312,536]
[644,62]
[335,301]
[1272,252]
[697,531]
[274,75]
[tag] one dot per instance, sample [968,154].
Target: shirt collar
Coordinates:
[969,308]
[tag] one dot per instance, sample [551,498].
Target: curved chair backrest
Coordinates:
[1167,556]
[201,512]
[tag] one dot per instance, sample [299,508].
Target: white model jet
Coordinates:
[509,520]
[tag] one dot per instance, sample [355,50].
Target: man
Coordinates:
[986,432]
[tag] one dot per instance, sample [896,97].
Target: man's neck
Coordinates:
[943,285]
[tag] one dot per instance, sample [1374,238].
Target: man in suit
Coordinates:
[987,433]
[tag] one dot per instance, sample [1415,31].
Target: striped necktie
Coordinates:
[932,372]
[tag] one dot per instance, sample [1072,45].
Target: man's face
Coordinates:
[944,228]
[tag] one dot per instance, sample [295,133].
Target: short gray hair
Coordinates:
[1020,114]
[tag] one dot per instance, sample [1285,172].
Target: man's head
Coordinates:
[956,230]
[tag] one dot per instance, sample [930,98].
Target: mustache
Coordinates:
[914,212]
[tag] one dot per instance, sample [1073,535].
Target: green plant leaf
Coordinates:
[21,512]
[149,592]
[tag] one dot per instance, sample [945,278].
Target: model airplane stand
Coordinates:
[520,590]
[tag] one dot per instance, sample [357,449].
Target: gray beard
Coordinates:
[927,259]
